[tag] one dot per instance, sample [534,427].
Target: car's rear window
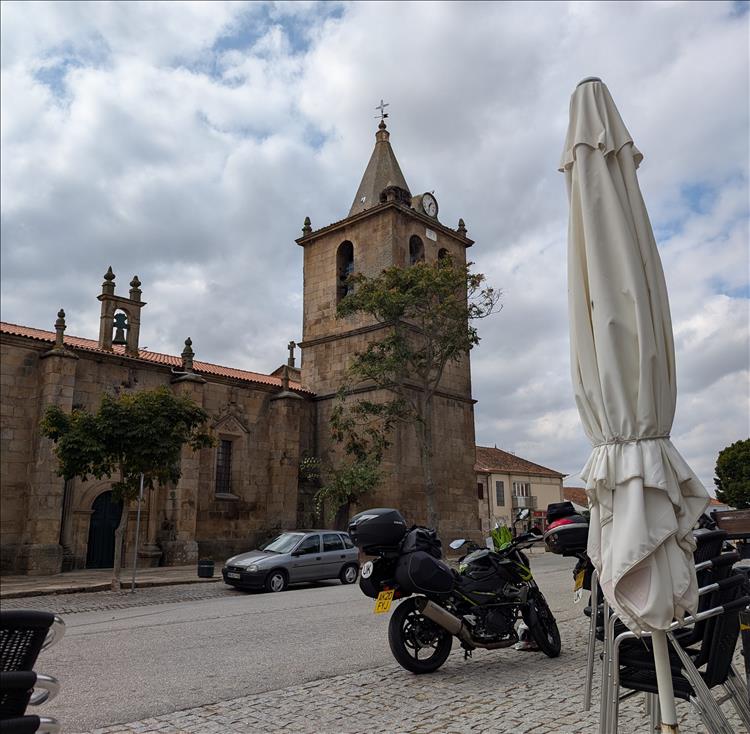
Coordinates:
[332,542]
[347,541]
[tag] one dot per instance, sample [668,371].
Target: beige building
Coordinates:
[244,488]
[507,483]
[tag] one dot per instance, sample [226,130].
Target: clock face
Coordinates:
[429,205]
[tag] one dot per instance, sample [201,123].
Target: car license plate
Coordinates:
[383,603]
[232,575]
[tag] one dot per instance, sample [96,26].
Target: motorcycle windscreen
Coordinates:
[421,573]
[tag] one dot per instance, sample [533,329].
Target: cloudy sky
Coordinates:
[186,142]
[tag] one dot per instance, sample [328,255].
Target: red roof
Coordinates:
[496,461]
[576,495]
[204,368]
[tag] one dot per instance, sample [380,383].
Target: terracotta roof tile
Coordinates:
[495,461]
[576,495]
[203,368]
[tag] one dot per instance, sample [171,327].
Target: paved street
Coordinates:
[203,659]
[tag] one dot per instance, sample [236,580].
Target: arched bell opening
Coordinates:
[416,250]
[344,268]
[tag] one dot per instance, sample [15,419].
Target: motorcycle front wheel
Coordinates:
[542,625]
[417,643]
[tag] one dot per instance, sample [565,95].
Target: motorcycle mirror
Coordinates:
[456,544]
[523,513]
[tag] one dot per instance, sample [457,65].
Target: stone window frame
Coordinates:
[230,429]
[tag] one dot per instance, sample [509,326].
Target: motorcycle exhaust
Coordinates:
[455,626]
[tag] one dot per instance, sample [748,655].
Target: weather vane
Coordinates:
[381,107]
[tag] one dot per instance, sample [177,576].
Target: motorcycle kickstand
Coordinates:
[467,652]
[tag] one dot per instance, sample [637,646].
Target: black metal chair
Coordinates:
[23,635]
[29,725]
[19,688]
[715,653]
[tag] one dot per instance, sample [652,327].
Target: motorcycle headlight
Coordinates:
[253,568]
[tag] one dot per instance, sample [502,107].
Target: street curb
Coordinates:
[100,587]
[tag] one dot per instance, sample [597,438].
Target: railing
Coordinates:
[521,502]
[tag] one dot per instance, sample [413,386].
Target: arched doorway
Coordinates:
[104,521]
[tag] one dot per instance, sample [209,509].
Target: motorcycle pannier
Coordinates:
[422,573]
[381,576]
[377,530]
[422,539]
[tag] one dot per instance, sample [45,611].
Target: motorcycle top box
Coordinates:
[376,530]
[568,536]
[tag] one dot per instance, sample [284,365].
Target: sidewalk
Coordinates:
[99,579]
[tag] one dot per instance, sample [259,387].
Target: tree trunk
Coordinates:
[119,541]
[433,518]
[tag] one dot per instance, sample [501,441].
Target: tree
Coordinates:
[428,310]
[733,475]
[130,435]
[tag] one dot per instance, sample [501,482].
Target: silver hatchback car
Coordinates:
[303,555]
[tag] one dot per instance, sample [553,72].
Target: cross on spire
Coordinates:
[381,107]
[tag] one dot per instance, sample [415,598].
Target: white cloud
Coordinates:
[187,142]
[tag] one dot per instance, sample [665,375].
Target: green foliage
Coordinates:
[142,432]
[346,483]
[309,469]
[427,311]
[733,475]
[430,307]
[501,537]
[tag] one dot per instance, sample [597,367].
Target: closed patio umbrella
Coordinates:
[644,498]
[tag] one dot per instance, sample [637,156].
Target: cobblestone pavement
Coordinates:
[103,600]
[496,691]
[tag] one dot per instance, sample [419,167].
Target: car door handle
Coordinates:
[317,558]
[343,556]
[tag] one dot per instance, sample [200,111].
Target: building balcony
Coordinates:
[523,502]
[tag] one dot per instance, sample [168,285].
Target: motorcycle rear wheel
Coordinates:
[542,625]
[411,634]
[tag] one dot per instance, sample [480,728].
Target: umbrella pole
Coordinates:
[664,683]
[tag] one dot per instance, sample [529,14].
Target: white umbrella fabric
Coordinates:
[644,498]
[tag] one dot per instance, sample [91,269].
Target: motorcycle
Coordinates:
[479,606]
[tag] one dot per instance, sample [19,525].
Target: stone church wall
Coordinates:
[43,528]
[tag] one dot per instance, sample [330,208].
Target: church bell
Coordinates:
[121,326]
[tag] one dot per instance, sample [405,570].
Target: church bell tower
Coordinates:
[387,225]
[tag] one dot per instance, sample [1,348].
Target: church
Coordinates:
[248,485]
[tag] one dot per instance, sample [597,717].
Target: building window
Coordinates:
[500,494]
[344,268]
[224,467]
[416,250]
[480,491]
[521,489]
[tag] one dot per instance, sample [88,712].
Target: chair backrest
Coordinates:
[721,632]
[708,544]
[720,569]
[22,635]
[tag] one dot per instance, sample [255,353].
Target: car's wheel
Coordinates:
[542,625]
[349,574]
[276,581]
[417,643]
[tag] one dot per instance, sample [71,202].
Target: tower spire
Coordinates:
[382,171]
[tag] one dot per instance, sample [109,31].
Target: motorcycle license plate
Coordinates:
[579,580]
[578,591]
[383,602]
